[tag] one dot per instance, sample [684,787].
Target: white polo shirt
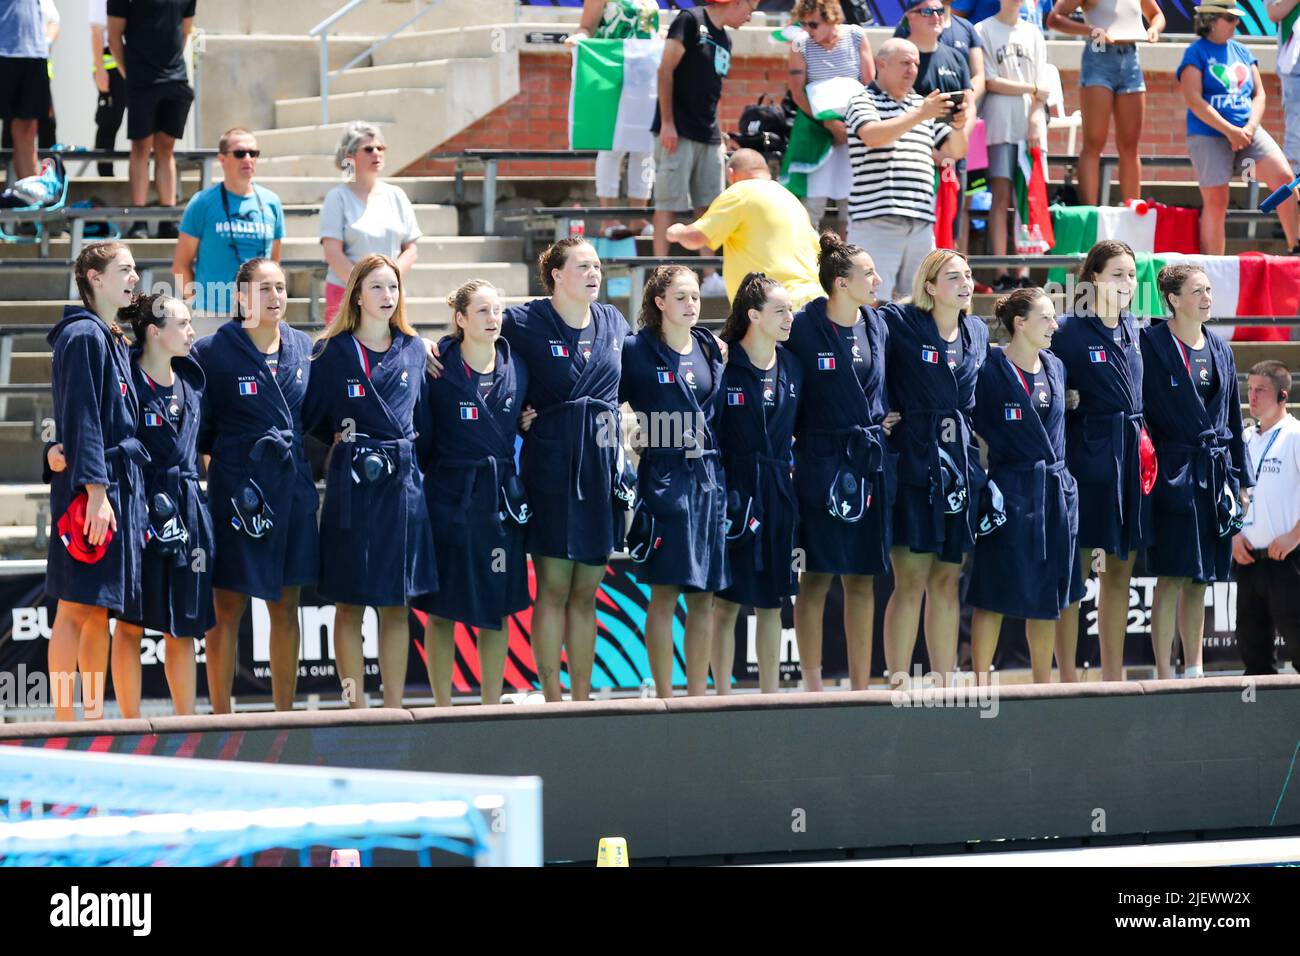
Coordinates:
[1275,507]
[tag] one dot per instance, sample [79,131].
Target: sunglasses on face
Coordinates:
[244,153]
[929,12]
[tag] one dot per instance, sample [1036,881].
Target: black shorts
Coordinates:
[158,109]
[24,88]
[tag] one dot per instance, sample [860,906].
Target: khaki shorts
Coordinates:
[689,178]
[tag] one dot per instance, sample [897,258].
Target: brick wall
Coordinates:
[538,117]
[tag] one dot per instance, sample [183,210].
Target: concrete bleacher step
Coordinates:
[391,76]
[20,503]
[431,45]
[434,220]
[18,542]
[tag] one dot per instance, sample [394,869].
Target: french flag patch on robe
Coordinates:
[469,413]
[560,351]
[826,364]
[356,391]
[735,398]
[929,355]
[152,420]
[1096,356]
[667,378]
[1013,414]
[247,388]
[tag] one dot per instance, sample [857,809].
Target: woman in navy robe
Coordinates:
[672,378]
[571,345]
[1105,437]
[1189,390]
[260,491]
[1028,566]
[376,544]
[935,353]
[467,425]
[94,568]
[842,440]
[762,383]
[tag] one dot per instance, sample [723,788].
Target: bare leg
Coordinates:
[659,636]
[809,607]
[349,658]
[1130,114]
[126,667]
[26,161]
[221,647]
[1214,202]
[138,170]
[492,647]
[178,663]
[1191,624]
[1067,643]
[768,640]
[903,612]
[164,168]
[698,641]
[662,220]
[1276,173]
[71,622]
[1041,635]
[722,657]
[555,579]
[394,649]
[1114,576]
[942,618]
[1096,103]
[439,654]
[859,626]
[580,633]
[985,627]
[285,641]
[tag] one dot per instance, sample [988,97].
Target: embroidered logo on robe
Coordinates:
[735,398]
[826,364]
[152,419]
[769,395]
[356,391]
[1205,375]
[299,375]
[1096,356]
[1042,398]
[469,413]
[247,388]
[560,351]
[690,378]
[667,378]
[1013,413]
[405,375]
[929,356]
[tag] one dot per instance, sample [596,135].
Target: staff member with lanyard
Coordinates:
[225,226]
[1266,562]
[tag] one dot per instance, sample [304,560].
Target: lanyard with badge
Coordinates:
[1277,430]
[230,237]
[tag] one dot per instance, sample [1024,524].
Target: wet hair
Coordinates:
[1016,305]
[929,271]
[1171,280]
[1094,263]
[1277,373]
[95,256]
[755,289]
[145,310]
[835,259]
[556,256]
[244,280]
[829,10]
[350,142]
[349,316]
[651,316]
[459,302]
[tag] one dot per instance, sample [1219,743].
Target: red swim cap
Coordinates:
[71,527]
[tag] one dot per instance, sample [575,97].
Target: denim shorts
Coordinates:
[1115,67]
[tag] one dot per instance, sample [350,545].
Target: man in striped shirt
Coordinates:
[895,136]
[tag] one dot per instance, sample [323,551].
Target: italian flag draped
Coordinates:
[1032,210]
[613,93]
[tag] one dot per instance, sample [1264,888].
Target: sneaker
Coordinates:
[168,230]
[1295,250]
[713,287]
[1004,283]
[138,230]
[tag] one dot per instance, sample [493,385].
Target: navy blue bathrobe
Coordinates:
[95,414]
[839,426]
[756,446]
[252,428]
[1028,568]
[467,447]
[1199,447]
[684,488]
[376,545]
[177,589]
[1101,435]
[567,464]
[936,403]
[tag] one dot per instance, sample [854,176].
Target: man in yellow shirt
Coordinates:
[761,227]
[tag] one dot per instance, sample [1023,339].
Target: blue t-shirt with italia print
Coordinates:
[1227,82]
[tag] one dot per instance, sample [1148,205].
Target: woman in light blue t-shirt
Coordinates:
[1225,99]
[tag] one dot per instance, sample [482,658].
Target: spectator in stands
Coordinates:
[225,225]
[1267,562]
[24,79]
[951,66]
[620,20]
[108,81]
[147,38]
[1225,99]
[760,227]
[1013,112]
[1111,81]
[977,11]
[1285,14]
[365,216]
[46,132]
[827,50]
[894,136]
[689,155]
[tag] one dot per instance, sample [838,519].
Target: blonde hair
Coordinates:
[349,317]
[829,9]
[929,271]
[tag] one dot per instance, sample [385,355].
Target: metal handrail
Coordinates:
[322,30]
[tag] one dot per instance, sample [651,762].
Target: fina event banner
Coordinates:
[1178,13]
[621,661]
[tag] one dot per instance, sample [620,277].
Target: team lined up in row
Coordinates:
[877,409]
